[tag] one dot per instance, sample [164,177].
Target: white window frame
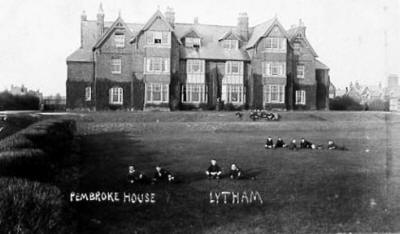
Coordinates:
[301,69]
[191,63]
[230,64]
[189,89]
[279,90]
[228,91]
[230,44]
[116,95]
[192,42]
[300,97]
[88,93]
[119,40]
[275,44]
[151,62]
[149,92]
[163,36]
[116,65]
[268,67]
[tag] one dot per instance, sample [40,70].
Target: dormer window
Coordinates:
[230,44]
[192,42]
[119,39]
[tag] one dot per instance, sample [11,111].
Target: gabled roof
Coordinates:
[117,23]
[210,48]
[320,65]
[230,34]
[293,35]
[81,55]
[191,33]
[156,15]
[263,29]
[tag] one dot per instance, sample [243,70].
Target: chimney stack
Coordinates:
[170,16]
[83,16]
[302,27]
[196,20]
[100,21]
[243,26]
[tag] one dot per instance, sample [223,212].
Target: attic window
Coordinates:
[119,39]
[230,44]
[192,42]
[157,38]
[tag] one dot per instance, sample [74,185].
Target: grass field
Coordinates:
[308,191]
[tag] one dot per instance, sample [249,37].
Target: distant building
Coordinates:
[22,90]
[163,64]
[365,94]
[393,92]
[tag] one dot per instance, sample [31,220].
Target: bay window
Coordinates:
[157,93]
[119,40]
[194,93]
[277,69]
[157,38]
[156,65]
[274,93]
[192,42]
[230,44]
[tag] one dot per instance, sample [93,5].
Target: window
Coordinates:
[194,93]
[297,47]
[156,65]
[233,93]
[234,67]
[157,92]
[274,93]
[119,40]
[230,44]
[275,44]
[192,42]
[116,96]
[116,66]
[300,71]
[88,93]
[274,69]
[195,66]
[300,97]
[157,38]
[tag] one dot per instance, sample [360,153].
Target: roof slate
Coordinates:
[320,65]
[81,55]
[209,34]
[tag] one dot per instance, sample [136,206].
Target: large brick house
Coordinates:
[167,65]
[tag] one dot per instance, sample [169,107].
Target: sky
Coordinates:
[348,35]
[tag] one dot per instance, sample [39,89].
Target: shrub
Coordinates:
[345,103]
[26,163]
[30,207]
[378,105]
[232,107]
[16,141]
[9,101]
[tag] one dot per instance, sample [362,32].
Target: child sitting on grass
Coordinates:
[235,172]
[135,176]
[269,144]
[162,174]
[213,171]
[280,143]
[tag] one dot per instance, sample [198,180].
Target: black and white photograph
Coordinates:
[229,116]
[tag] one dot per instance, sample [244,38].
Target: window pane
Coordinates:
[156,92]
[235,67]
[165,93]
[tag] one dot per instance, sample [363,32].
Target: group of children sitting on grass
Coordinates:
[215,172]
[164,175]
[304,144]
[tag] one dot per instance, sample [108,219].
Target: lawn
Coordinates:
[305,191]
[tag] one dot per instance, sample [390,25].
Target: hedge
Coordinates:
[30,207]
[26,163]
